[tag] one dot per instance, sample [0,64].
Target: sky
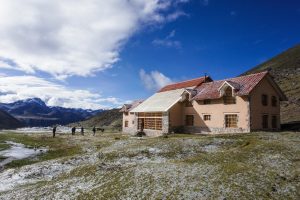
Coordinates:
[96,54]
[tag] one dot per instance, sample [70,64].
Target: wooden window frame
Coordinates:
[228,98]
[152,121]
[126,124]
[231,120]
[207,117]
[264,99]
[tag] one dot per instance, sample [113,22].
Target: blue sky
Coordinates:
[125,50]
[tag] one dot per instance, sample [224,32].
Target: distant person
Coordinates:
[142,126]
[73,130]
[54,131]
[82,130]
[94,130]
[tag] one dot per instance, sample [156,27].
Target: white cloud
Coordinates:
[13,88]
[154,80]
[65,38]
[168,41]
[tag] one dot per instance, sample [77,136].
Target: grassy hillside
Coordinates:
[109,119]
[8,122]
[285,68]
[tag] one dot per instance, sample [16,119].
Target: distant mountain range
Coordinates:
[9,122]
[34,112]
[285,68]
[108,119]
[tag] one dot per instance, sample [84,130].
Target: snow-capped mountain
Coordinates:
[34,112]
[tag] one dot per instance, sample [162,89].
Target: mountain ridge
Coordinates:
[34,112]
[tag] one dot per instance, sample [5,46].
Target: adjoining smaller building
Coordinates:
[201,105]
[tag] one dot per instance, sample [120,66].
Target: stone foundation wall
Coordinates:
[129,130]
[213,130]
[153,133]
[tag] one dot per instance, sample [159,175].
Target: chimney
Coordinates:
[205,77]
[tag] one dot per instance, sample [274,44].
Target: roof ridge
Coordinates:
[187,80]
[228,79]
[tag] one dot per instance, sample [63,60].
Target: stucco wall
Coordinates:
[176,115]
[217,109]
[132,124]
[257,109]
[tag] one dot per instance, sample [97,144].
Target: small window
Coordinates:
[228,97]
[274,101]
[189,120]
[132,113]
[265,119]
[274,122]
[132,121]
[264,99]
[188,103]
[126,123]
[206,117]
[207,101]
[231,121]
[126,113]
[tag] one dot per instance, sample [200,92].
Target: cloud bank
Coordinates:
[14,88]
[154,80]
[66,38]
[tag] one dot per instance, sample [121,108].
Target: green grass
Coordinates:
[57,147]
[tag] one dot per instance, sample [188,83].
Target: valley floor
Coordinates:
[115,166]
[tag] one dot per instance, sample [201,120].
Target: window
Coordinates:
[231,121]
[126,113]
[264,99]
[207,101]
[126,123]
[132,113]
[189,120]
[206,117]
[228,97]
[265,119]
[188,103]
[151,121]
[274,121]
[132,121]
[274,101]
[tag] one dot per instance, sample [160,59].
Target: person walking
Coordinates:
[73,130]
[94,131]
[54,131]
[82,130]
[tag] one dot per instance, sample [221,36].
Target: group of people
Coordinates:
[73,130]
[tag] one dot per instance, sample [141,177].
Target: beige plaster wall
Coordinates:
[130,118]
[176,115]
[217,109]
[257,109]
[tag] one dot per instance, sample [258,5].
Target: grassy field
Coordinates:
[115,166]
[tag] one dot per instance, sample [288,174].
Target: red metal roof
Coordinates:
[245,83]
[186,84]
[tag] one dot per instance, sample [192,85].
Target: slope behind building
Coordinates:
[285,68]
